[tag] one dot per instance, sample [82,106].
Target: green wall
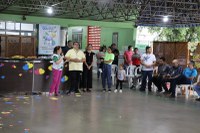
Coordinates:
[126,31]
[125,36]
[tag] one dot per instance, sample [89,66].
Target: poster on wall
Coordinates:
[49,37]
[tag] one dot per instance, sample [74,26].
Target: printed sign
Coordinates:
[49,37]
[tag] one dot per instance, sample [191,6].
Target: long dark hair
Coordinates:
[56,49]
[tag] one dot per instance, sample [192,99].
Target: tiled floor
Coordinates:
[98,112]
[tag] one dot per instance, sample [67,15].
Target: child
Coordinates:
[121,76]
[100,57]
[101,65]
[57,70]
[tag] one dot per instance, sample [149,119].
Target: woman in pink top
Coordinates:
[128,56]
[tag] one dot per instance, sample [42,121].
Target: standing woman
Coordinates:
[100,57]
[87,69]
[107,68]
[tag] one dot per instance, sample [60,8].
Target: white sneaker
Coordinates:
[100,70]
[115,90]
[120,91]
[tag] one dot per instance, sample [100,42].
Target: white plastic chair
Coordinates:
[137,75]
[113,73]
[155,70]
[186,86]
[130,74]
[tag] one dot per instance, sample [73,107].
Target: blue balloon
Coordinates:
[25,67]
[63,79]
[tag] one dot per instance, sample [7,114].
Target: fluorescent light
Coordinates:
[165,19]
[50,10]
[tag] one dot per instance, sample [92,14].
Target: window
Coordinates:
[26,27]
[77,35]
[10,26]
[115,38]
[2,32]
[12,33]
[17,26]
[2,25]
[13,28]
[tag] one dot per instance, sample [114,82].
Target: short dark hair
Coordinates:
[129,47]
[69,41]
[113,44]
[147,47]
[102,48]
[56,49]
[76,42]
[162,58]
[110,47]
[192,62]
[135,49]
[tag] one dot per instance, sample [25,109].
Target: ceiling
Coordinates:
[181,13]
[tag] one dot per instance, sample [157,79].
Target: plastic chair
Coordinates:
[130,74]
[186,86]
[137,76]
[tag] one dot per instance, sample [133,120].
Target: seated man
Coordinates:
[163,69]
[173,77]
[188,74]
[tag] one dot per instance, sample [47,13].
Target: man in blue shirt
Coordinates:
[189,74]
[186,77]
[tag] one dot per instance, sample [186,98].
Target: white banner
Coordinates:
[49,37]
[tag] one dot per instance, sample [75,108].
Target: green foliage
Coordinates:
[191,34]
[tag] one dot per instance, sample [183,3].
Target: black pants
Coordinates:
[87,78]
[159,83]
[75,79]
[119,82]
[177,81]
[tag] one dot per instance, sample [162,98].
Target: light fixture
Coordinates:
[50,10]
[165,19]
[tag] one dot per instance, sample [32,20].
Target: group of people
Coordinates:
[80,65]
[166,77]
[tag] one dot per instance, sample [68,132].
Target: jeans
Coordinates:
[146,74]
[106,76]
[197,89]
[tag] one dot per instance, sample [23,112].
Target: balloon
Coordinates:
[41,71]
[14,67]
[64,79]
[50,68]
[1,65]
[30,65]
[25,67]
